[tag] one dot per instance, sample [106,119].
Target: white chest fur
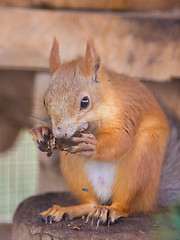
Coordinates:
[101,176]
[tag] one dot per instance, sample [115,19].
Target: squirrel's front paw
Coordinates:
[86,145]
[42,137]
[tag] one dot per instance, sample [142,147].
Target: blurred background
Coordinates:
[136,37]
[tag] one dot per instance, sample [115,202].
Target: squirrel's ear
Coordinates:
[54,58]
[92,59]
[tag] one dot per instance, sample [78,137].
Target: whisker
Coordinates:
[42,119]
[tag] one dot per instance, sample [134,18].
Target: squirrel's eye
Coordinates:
[85,101]
[44,102]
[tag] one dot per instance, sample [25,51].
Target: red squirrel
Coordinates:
[118,162]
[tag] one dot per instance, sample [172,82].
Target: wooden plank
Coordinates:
[97,4]
[146,46]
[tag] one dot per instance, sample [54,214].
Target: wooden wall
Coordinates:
[143,45]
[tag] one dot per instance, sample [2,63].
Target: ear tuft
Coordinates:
[92,59]
[54,58]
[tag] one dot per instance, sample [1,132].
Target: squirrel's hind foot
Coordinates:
[104,214]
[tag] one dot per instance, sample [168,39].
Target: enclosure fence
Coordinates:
[18,171]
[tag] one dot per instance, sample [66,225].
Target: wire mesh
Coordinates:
[18,171]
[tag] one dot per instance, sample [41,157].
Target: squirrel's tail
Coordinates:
[169,187]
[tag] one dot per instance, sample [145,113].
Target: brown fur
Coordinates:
[130,129]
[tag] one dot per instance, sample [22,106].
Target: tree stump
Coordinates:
[24,226]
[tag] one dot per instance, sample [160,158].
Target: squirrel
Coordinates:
[113,168]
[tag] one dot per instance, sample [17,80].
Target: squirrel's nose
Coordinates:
[59,129]
[59,133]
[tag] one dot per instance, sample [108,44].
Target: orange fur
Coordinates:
[54,60]
[131,132]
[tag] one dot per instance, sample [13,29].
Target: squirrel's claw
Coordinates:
[100,213]
[41,145]
[51,220]
[104,214]
[109,222]
[92,221]
[98,221]
[46,133]
[37,218]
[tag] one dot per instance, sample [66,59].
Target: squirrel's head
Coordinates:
[75,94]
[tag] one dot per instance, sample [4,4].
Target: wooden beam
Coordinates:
[142,45]
[96,5]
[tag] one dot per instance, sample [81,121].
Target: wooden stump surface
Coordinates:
[24,226]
